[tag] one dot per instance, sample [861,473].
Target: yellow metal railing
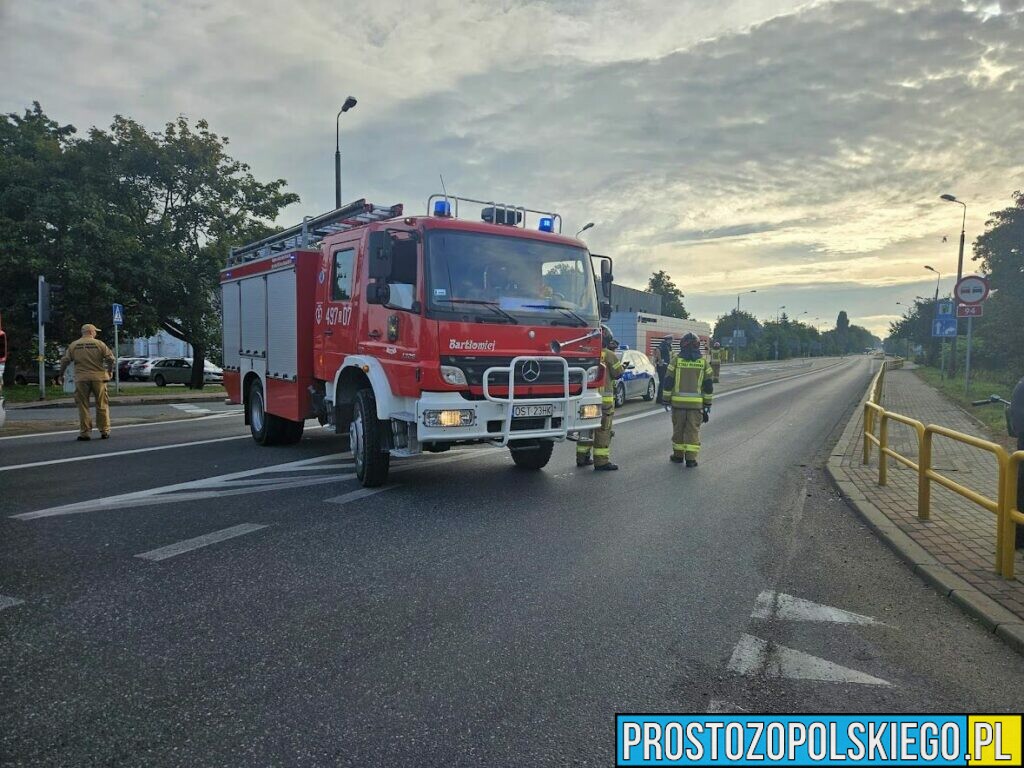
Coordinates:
[1006,506]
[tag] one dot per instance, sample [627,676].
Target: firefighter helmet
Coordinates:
[689,341]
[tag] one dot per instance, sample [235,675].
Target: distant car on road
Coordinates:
[178,370]
[639,379]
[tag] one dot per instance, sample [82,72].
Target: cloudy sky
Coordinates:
[798,149]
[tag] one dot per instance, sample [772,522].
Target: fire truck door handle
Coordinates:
[374,334]
[328,333]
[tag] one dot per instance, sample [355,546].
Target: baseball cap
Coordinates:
[90,327]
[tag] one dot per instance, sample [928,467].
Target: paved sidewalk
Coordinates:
[955,549]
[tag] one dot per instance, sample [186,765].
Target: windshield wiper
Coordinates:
[491,305]
[580,322]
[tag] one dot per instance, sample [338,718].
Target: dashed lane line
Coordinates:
[9,602]
[118,428]
[759,658]
[94,456]
[188,545]
[360,493]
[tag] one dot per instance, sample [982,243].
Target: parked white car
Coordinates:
[140,370]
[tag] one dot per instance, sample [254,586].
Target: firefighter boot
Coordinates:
[691,462]
[609,467]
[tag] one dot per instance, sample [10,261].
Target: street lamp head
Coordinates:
[349,103]
[584,228]
[931,269]
[949,198]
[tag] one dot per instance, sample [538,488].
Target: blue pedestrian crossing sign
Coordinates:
[944,327]
[118,314]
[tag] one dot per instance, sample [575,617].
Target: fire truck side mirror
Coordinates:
[379,256]
[606,276]
[378,293]
[606,310]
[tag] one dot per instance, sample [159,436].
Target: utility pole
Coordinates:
[42,314]
[959,271]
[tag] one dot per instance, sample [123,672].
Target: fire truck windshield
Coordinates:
[531,280]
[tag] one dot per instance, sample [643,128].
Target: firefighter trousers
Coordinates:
[98,390]
[600,441]
[686,432]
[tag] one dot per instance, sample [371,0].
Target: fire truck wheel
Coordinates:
[292,431]
[365,433]
[533,457]
[266,428]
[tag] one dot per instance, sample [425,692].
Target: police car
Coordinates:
[639,377]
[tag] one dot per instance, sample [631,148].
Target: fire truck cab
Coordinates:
[413,334]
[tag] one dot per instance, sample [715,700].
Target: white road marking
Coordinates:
[118,428]
[754,656]
[180,547]
[360,493]
[93,456]
[9,602]
[232,484]
[719,706]
[788,608]
[189,408]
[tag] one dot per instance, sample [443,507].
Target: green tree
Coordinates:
[842,332]
[1001,253]
[671,296]
[124,215]
[738,320]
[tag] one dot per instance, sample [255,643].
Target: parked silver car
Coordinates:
[140,370]
[639,379]
[178,370]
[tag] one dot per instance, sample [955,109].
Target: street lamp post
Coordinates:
[584,228]
[349,103]
[959,269]
[752,290]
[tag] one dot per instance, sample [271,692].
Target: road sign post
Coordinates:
[970,291]
[40,314]
[118,311]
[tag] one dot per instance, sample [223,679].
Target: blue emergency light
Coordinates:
[442,208]
[547,224]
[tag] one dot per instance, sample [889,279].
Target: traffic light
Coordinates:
[54,303]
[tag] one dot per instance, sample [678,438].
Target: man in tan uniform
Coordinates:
[93,362]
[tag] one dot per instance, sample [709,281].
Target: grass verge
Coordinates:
[983,384]
[29,393]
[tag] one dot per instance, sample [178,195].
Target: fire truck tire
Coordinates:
[266,428]
[534,457]
[365,439]
[292,431]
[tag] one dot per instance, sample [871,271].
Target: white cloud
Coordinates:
[775,145]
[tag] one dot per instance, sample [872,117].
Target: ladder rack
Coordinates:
[313,229]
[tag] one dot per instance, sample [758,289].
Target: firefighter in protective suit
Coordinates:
[689,393]
[601,440]
[716,360]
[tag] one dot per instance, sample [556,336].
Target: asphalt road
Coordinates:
[468,614]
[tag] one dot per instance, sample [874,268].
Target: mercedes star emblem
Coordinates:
[531,371]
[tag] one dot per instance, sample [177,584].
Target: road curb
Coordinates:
[1006,625]
[115,400]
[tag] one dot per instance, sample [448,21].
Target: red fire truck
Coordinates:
[416,333]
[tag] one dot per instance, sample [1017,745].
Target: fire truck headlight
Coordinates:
[453,375]
[592,374]
[590,411]
[462,417]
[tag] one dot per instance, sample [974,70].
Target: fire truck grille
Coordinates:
[550,373]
